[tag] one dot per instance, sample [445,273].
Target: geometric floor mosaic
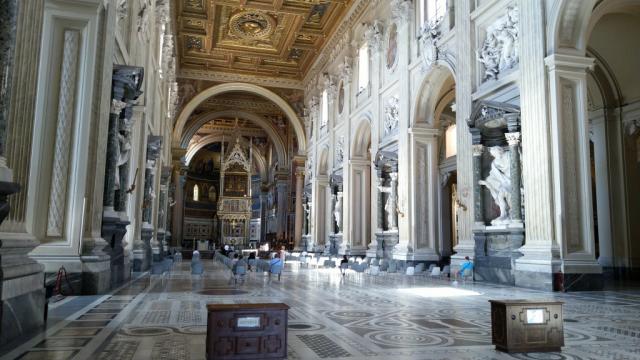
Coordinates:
[331,317]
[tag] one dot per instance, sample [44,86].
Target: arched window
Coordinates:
[430,11]
[324,116]
[451,147]
[196,193]
[363,67]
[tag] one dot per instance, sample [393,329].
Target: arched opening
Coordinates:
[360,189]
[612,100]
[215,90]
[435,210]
[614,103]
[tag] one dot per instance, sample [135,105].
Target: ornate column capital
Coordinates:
[477,149]
[513,138]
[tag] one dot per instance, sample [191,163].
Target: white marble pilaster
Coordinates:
[465,66]
[571,162]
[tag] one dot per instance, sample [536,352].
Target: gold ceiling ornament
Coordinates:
[252,24]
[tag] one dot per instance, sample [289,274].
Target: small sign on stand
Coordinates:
[247,331]
[527,325]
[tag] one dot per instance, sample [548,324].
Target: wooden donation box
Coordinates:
[527,326]
[247,331]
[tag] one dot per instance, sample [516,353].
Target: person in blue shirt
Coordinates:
[466,264]
[275,266]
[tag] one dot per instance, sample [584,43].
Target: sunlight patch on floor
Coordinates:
[438,292]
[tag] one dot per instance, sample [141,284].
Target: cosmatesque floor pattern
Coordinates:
[331,317]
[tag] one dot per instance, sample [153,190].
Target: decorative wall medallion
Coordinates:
[392,114]
[252,25]
[341,98]
[499,52]
[392,46]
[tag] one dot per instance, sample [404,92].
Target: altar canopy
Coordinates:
[234,207]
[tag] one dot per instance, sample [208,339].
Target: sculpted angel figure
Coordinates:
[499,182]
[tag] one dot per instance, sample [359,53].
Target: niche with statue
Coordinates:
[497,188]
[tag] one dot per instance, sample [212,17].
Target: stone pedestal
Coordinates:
[142,252]
[337,246]
[22,299]
[386,241]
[96,267]
[307,243]
[496,251]
[159,251]
[113,231]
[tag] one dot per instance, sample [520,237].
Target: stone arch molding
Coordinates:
[272,132]
[218,137]
[570,19]
[323,163]
[361,137]
[293,118]
[427,102]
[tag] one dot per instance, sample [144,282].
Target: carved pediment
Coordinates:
[494,115]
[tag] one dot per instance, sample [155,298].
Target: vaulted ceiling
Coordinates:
[228,39]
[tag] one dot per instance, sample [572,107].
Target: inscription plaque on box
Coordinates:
[248,322]
[535,316]
[527,325]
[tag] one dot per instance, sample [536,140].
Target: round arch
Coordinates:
[569,19]
[323,163]
[192,128]
[430,98]
[361,140]
[219,137]
[293,118]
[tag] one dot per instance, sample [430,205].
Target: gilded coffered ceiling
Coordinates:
[261,38]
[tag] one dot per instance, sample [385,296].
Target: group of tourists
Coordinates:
[240,265]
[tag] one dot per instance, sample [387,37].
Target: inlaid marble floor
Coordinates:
[359,317]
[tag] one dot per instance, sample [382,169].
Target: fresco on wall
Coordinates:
[392,46]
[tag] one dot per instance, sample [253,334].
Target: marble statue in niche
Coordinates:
[392,46]
[499,182]
[389,207]
[499,50]
[337,213]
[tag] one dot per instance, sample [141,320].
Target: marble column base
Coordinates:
[307,243]
[22,315]
[128,266]
[386,242]
[96,275]
[142,253]
[113,230]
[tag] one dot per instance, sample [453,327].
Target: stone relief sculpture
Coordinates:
[392,114]
[339,151]
[499,183]
[122,10]
[499,51]
[143,18]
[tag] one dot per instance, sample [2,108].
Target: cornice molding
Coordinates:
[231,77]
[334,45]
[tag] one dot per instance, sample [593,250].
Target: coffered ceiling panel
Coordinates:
[262,38]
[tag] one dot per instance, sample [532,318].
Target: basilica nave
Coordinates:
[452,152]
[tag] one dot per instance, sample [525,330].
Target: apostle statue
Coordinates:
[499,183]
